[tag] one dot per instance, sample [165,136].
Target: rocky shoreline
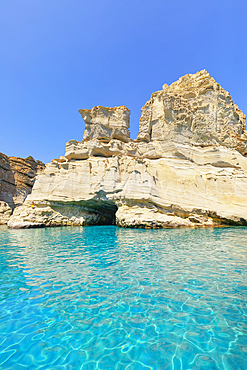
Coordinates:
[187,167]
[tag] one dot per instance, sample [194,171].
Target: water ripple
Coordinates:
[110,298]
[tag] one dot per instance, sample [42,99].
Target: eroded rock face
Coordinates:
[188,166]
[5,213]
[17,176]
[194,110]
[104,123]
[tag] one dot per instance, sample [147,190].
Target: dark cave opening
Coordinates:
[108,215]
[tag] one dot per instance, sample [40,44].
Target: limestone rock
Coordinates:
[106,123]
[94,147]
[175,192]
[187,168]
[5,213]
[194,110]
[7,181]
[150,217]
[57,214]
[17,176]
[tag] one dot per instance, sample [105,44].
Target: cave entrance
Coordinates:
[104,209]
[108,214]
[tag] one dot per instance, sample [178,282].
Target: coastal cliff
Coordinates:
[17,176]
[187,167]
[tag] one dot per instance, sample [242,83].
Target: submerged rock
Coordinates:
[188,166]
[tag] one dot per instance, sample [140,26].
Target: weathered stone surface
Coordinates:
[5,213]
[7,181]
[17,176]
[106,123]
[194,110]
[187,168]
[51,214]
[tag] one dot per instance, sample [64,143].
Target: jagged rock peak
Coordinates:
[105,123]
[194,110]
[195,80]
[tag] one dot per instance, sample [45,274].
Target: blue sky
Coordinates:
[58,56]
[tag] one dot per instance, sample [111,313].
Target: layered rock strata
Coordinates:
[188,166]
[17,176]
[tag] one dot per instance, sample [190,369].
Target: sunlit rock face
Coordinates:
[17,176]
[194,110]
[106,123]
[188,166]
[5,213]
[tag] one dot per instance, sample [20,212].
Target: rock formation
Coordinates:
[188,166]
[106,123]
[5,213]
[194,110]
[17,177]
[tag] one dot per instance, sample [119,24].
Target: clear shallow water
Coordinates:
[111,298]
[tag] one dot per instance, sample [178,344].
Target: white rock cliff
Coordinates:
[188,166]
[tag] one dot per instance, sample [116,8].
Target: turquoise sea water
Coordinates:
[110,298]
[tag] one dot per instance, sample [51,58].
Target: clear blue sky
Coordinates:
[58,56]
